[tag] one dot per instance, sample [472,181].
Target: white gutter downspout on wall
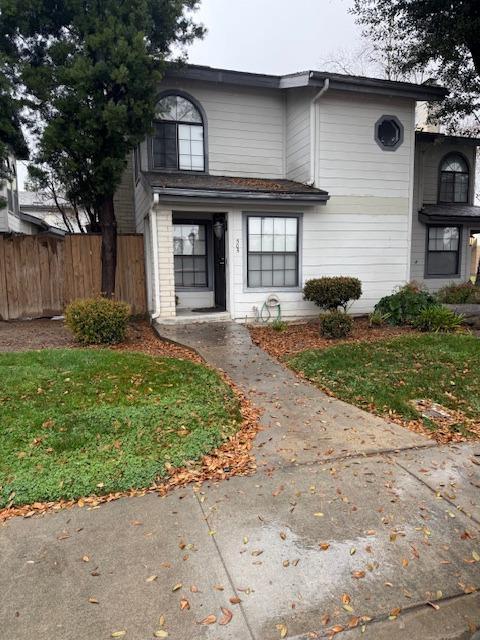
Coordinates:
[313,130]
[152,214]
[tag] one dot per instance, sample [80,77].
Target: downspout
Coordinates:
[313,130]
[156,271]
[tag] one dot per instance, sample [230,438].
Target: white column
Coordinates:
[166,275]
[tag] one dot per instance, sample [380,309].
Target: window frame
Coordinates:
[204,124]
[462,173]
[298,263]
[400,126]
[443,276]
[208,253]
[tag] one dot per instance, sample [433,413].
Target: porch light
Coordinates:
[218,229]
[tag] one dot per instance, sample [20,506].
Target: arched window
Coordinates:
[178,135]
[454,175]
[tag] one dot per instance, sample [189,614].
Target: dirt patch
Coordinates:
[234,457]
[28,335]
[306,335]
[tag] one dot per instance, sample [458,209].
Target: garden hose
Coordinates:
[270,303]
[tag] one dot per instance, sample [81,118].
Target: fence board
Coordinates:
[40,275]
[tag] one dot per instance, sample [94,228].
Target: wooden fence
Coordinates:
[40,275]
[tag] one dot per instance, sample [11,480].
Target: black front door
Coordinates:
[219,228]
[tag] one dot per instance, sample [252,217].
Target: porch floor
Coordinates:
[187,316]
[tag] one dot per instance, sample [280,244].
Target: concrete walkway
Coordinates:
[322,535]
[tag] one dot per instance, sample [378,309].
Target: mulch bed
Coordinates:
[306,335]
[234,457]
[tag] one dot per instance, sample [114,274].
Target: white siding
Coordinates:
[245,128]
[298,135]
[350,162]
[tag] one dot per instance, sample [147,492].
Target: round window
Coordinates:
[389,133]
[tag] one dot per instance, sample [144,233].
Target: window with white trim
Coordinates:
[177,141]
[272,251]
[443,251]
[190,255]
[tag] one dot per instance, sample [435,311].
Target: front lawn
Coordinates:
[386,376]
[78,422]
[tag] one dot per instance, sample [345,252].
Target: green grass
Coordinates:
[80,422]
[387,375]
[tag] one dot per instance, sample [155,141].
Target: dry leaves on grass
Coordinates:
[233,457]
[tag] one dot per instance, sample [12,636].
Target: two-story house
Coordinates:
[251,184]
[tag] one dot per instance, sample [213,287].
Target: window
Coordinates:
[454,179]
[389,133]
[178,135]
[272,251]
[190,255]
[443,251]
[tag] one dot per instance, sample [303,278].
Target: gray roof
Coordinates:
[338,81]
[231,187]
[460,213]
[431,136]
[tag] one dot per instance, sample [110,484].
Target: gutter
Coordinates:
[313,130]
[259,196]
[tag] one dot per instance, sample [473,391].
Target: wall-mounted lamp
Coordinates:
[219,229]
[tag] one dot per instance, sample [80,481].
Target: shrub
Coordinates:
[98,320]
[336,324]
[378,319]
[279,325]
[438,319]
[463,293]
[331,293]
[404,306]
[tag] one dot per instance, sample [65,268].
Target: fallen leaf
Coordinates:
[184,604]
[475,556]
[177,586]
[319,514]
[346,598]
[118,634]
[405,562]
[282,629]
[324,546]
[352,551]
[211,619]
[194,588]
[161,633]
[218,587]
[358,574]
[435,606]
[227,616]
[235,600]
[151,578]
[86,559]
[93,601]
[325,619]
[161,620]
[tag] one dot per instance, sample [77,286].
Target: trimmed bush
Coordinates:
[405,306]
[463,293]
[439,320]
[331,293]
[98,320]
[336,324]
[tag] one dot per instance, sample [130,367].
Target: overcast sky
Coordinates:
[272,36]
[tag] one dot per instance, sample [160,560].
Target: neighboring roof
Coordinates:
[309,78]
[41,224]
[230,187]
[430,136]
[462,213]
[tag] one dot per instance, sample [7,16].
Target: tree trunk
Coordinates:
[108,226]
